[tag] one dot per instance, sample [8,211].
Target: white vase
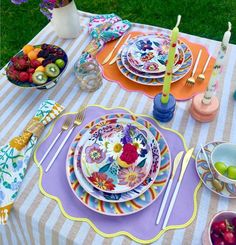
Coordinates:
[65,21]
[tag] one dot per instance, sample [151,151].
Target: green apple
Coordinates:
[231,171]
[60,63]
[221,167]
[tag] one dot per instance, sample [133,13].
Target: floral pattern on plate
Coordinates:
[147,80]
[126,196]
[229,190]
[124,59]
[128,207]
[149,53]
[117,158]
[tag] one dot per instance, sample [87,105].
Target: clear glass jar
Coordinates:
[89,75]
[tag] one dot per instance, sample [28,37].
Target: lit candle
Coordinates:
[217,67]
[170,63]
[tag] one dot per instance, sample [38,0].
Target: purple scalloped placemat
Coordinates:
[142,224]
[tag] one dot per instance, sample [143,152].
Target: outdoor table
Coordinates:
[36,219]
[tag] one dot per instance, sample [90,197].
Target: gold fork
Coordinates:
[201,77]
[191,81]
[78,120]
[66,124]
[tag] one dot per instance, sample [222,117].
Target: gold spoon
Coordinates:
[201,77]
[215,182]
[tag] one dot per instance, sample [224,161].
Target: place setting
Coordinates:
[139,64]
[117,165]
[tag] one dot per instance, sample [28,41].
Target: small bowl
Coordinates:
[206,237]
[226,153]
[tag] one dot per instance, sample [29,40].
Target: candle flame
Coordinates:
[178,20]
[229,26]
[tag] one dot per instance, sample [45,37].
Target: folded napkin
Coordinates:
[15,156]
[103,29]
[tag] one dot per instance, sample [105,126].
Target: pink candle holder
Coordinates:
[204,112]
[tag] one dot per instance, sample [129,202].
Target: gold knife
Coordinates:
[110,54]
[185,163]
[116,56]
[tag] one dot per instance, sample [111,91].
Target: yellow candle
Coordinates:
[170,63]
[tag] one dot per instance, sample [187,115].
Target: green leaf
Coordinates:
[104,168]
[142,163]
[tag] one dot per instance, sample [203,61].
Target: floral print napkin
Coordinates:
[15,156]
[103,29]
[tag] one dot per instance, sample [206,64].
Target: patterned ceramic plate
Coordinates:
[205,175]
[117,157]
[149,53]
[182,71]
[132,206]
[126,196]
[130,68]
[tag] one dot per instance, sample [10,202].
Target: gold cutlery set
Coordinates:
[112,51]
[201,77]
[66,125]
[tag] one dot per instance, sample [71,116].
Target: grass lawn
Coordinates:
[205,18]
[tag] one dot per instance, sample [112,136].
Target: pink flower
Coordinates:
[131,176]
[94,154]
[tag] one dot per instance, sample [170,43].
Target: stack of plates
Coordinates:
[118,164]
[143,59]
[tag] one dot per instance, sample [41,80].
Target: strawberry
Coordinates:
[25,57]
[14,59]
[21,64]
[30,77]
[30,70]
[23,76]
[35,63]
[12,73]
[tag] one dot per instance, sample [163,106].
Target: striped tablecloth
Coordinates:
[38,220]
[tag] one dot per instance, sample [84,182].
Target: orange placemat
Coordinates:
[178,89]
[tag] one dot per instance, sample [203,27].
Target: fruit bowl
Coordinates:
[38,66]
[223,162]
[217,225]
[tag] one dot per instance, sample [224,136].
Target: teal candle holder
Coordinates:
[234,95]
[164,112]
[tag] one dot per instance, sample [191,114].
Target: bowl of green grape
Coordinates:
[223,162]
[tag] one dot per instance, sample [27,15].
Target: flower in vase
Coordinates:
[130,176]
[46,5]
[102,181]
[94,154]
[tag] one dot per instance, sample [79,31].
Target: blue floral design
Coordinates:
[144,45]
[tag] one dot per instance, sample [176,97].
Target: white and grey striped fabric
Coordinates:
[36,219]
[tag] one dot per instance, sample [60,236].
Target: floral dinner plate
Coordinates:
[132,206]
[126,196]
[229,190]
[129,67]
[148,53]
[149,81]
[116,158]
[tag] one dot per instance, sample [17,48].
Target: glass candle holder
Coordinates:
[89,75]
